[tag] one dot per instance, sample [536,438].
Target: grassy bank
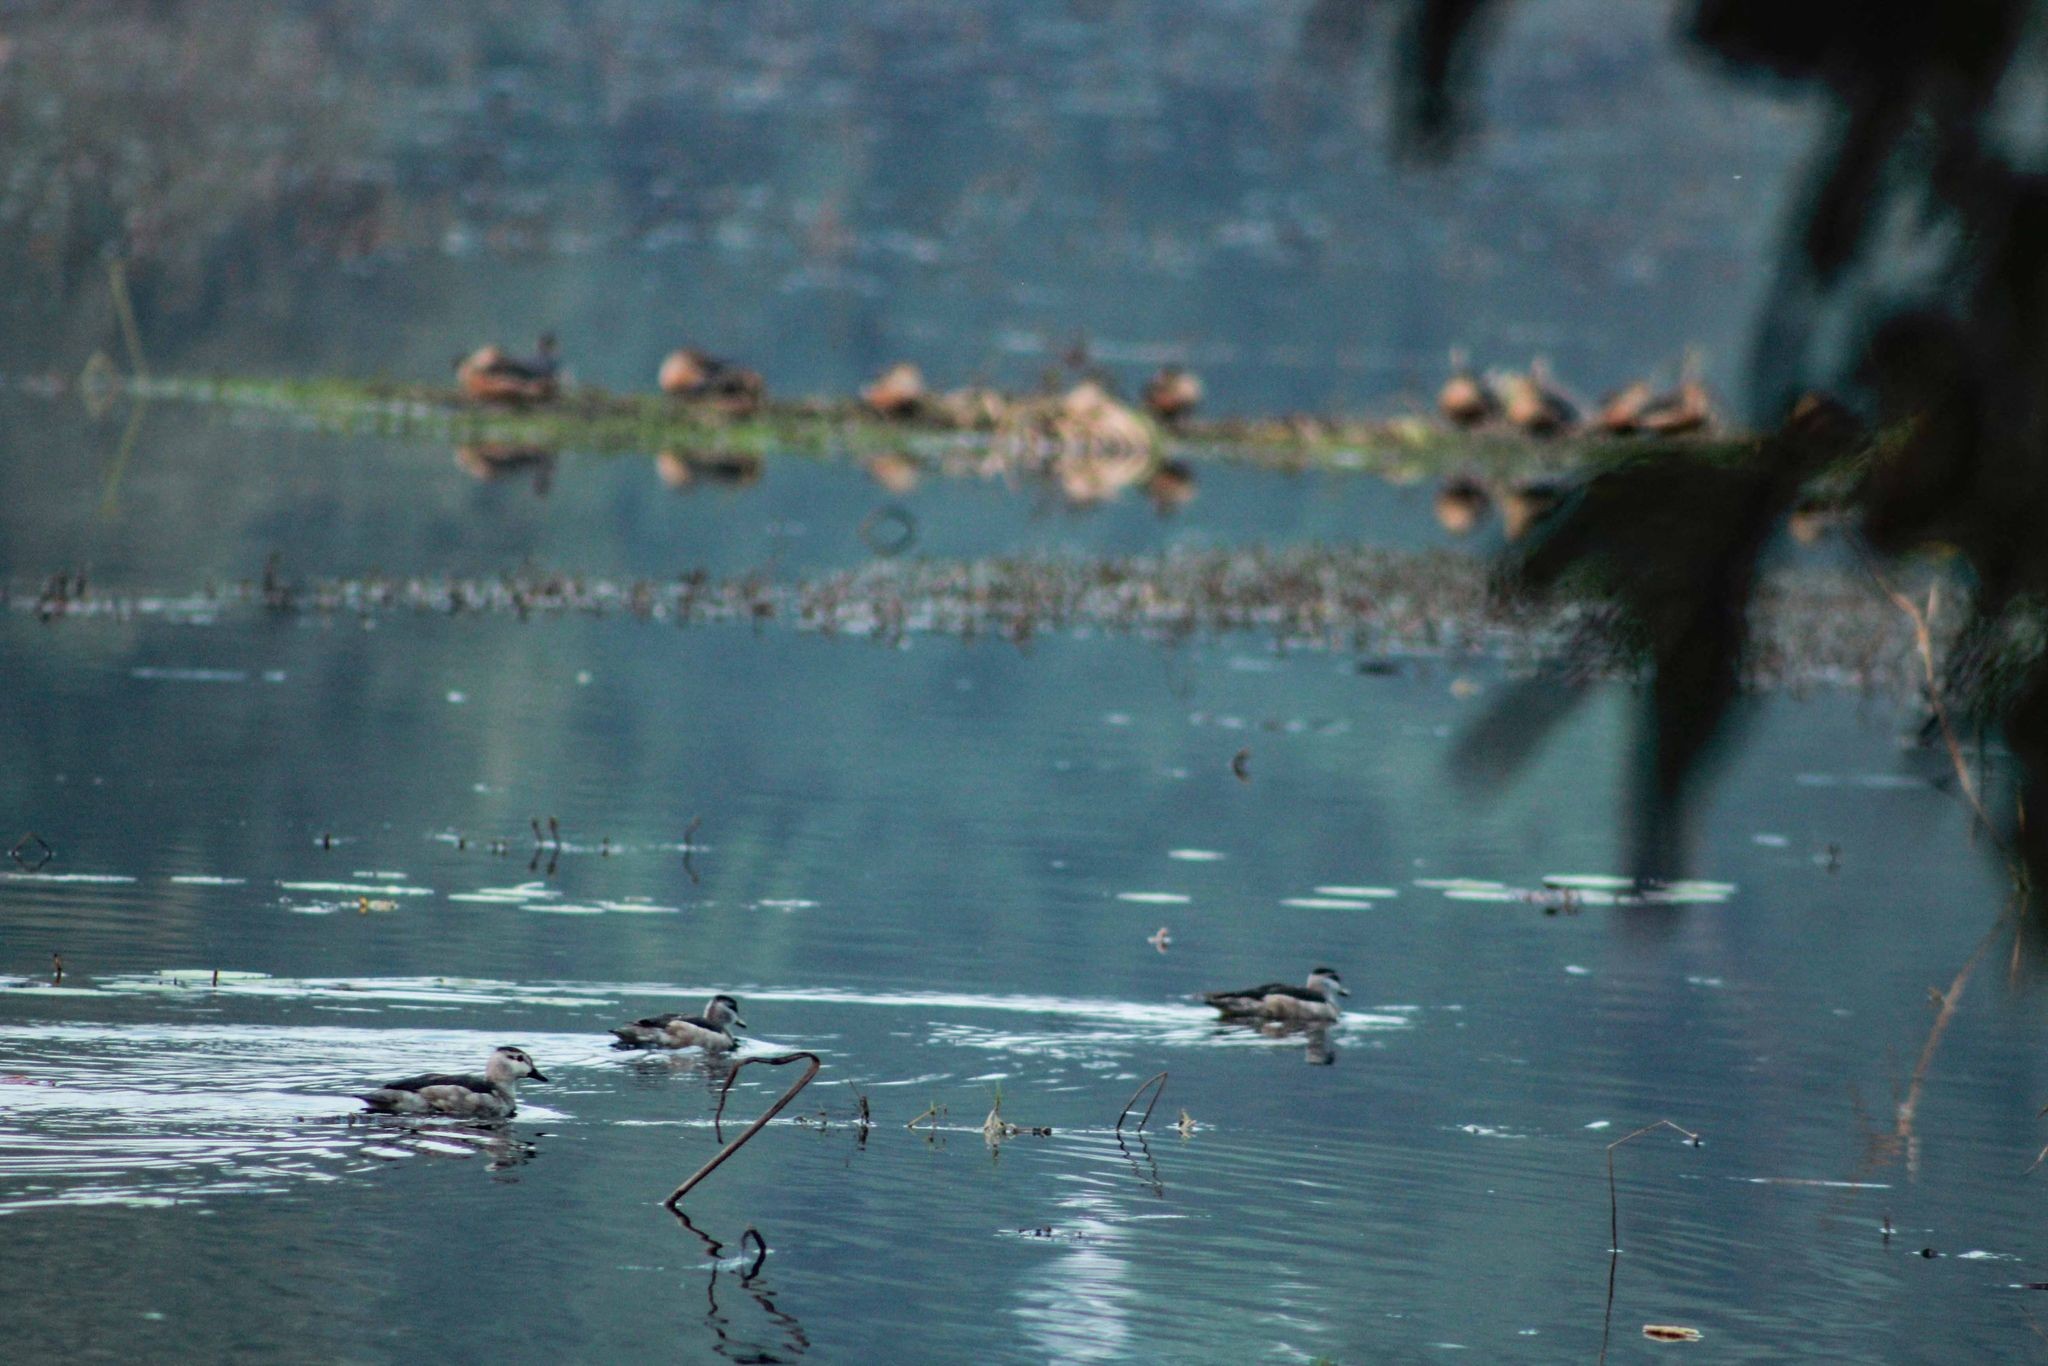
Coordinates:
[590,419]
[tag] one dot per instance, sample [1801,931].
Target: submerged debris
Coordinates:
[1809,628]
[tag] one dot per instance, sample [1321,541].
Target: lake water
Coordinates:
[938,864]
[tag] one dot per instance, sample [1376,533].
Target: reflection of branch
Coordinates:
[1922,619]
[1902,1136]
[740,1141]
[1614,1218]
[797,1338]
[117,284]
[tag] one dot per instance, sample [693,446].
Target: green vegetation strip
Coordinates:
[591,419]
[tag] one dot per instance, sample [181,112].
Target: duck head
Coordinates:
[1326,981]
[509,1064]
[723,1012]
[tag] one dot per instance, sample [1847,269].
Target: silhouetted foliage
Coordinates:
[1912,286]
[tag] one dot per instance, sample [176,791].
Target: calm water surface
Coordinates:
[938,865]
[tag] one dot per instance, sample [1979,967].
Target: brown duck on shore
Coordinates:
[1622,410]
[489,375]
[1466,399]
[690,373]
[899,392]
[1173,393]
[1535,403]
[1685,409]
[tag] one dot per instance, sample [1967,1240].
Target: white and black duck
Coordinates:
[1315,1003]
[491,1094]
[710,1031]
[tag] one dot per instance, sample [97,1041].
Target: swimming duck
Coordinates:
[1173,393]
[1535,403]
[899,392]
[690,373]
[1466,399]
[711,1031]
[1316,1002]
[490,1096]
[489,375]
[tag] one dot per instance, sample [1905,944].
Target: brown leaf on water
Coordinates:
[1670,1332]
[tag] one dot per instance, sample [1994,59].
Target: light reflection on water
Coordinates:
[923,889]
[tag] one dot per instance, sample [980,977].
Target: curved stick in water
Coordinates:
[1161,1080]
[741,1138]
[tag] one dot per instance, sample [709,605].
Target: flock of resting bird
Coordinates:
[494,1093]
[1530,401]
[491,374]
[1533,402]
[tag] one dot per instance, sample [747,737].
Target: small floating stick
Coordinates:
[1614,1217]
[741,1138]
[1161,1080]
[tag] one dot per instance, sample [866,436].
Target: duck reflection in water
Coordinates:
[793,1343]
[685,470]
[486,461]
[505,1146]
[1318,1048]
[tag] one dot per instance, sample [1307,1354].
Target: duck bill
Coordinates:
[1343,990]
[738,1023]
[536,1075]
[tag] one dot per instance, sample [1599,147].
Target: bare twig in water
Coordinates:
[741,1138]
[1241,765]
[56,968]
[690,847]
[933,1112]
[124,308]
[1160,1082]
[1922,619]
[1614,1217]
